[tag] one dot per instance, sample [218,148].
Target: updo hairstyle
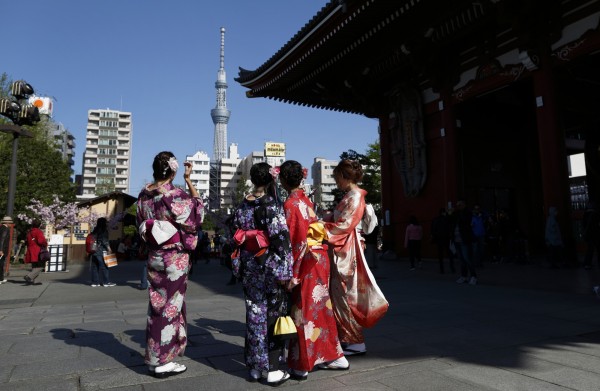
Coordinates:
[291,173]
[349,169]
[160,166]
[260,174]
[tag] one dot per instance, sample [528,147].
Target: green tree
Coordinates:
[371,182]
[241,190]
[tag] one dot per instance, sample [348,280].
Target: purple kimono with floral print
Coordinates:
[168,266]
[266,298]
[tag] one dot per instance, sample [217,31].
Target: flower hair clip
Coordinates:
[173,164]
[304,172]
[274,171]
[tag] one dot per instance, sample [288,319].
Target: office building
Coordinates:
[323,181]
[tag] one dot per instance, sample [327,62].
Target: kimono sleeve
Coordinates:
[298,227]
[350,210]
[280,257]
[188,213]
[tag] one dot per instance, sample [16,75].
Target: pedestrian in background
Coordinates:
[99,269]
[478,227]
[591,234]
[440,235]
[412,241]
[463,243]
[35,242]
[4,245]
[553,237]
[169,219]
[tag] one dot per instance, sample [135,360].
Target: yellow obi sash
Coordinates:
[316,234]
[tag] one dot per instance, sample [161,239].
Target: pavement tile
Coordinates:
[488,377]
[45,384]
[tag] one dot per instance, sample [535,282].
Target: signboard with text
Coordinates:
[274,149]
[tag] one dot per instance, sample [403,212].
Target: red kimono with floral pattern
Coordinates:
[312,312]
[357,300]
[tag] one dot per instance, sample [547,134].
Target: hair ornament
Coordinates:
[274,171]
[304,172]
[173,165]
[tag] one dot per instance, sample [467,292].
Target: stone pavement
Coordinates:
[522,328]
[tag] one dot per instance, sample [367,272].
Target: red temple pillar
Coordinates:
[449,146]
[387,170]
[553,158]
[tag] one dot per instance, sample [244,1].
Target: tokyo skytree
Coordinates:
[220,114]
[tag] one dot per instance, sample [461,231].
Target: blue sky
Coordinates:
[159,60]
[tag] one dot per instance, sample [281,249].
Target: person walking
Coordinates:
[169,219]
[4,245]
[351,281]
[412,241]
[317,343]
[591,234]
[35,242]
[440,235]
[553,237]
[263,261]
[463,243]
[478,227]
[99,269]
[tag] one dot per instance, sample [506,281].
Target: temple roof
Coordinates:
[354,53]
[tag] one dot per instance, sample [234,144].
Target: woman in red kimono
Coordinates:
[357,300]
[35,242]
[317,343]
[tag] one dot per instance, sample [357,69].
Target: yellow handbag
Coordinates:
[285,328]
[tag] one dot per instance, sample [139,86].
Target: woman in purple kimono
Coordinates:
[168,220]
[263,260]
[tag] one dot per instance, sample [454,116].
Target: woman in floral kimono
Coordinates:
[168,220]
[263,261]
[357,300]
[317,343]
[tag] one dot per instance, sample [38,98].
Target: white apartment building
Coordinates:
[107,156]
[224,178]
[323,182]
[200,175]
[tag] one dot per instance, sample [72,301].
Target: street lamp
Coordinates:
[19,113]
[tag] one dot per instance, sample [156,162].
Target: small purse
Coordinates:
[285,328]
[110,259]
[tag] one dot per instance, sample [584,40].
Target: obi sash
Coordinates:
[252,240]
[316,235]
[159,232]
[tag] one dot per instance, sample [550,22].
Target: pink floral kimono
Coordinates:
[168,220]
[357,300]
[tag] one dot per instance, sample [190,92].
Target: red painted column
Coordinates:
[387,173]
[450,147]
[553,160]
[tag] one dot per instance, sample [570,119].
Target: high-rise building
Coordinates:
[323,181]
[224,180]
[107,156]
[200,172]
[65,144]
[220,114]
